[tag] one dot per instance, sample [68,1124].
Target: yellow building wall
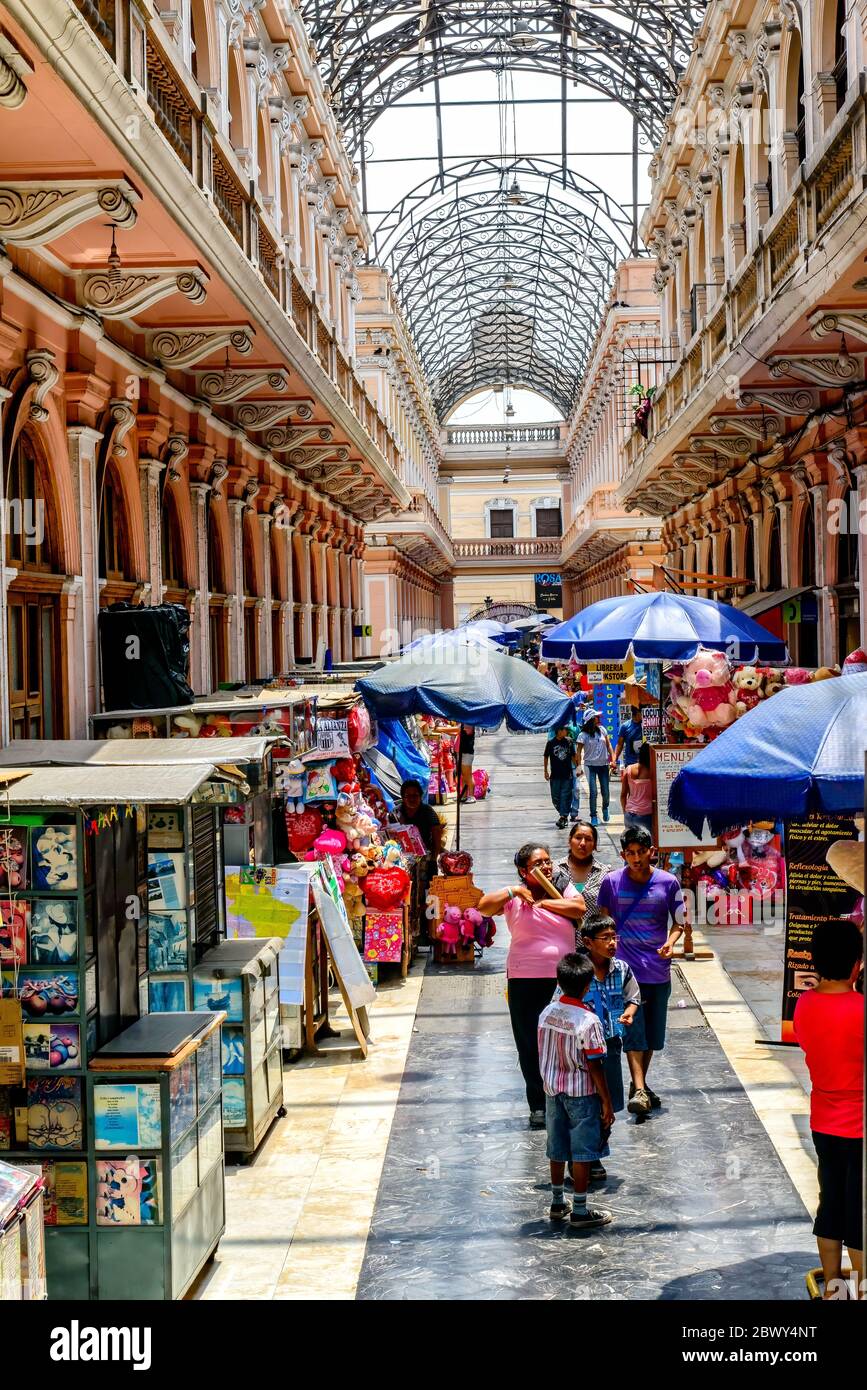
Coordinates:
[467,503]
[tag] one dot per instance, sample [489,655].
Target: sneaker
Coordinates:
[597,1172]
[558,1211]
[654,1099]
[561,824]
[594,820]
[639,1103]
[605,816]
[537,1118]
[588,1220]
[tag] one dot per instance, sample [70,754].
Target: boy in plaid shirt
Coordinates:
[578,1113]
[614,996]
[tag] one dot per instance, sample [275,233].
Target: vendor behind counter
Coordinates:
[413,810]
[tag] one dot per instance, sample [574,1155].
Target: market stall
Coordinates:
[75,951]
[22,1235]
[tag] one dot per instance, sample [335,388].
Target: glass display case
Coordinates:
[158,1205]
[242,978]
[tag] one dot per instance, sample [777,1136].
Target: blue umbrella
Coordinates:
[436,644]
[466,682]
[800,751]
[660,626]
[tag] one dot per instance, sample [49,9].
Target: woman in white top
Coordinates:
[594,746]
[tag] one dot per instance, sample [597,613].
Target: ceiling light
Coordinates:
[522,35]
[510,409]
[113,262]
[516,196]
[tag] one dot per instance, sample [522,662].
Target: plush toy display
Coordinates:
[216,726]
[797,675]
[450,931]
[320,784]
[748,688]
[386,887]
[291,780]
[119,731]
[187,725]
[707,678]
[302,829]
[481,783]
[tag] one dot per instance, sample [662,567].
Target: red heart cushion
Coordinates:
[302,828]
[385,888]
[344,770]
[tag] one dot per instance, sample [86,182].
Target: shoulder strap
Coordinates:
[635,901]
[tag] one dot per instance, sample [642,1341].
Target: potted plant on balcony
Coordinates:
[643,406]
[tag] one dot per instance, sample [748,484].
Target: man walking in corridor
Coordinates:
[648,907]
[560,759]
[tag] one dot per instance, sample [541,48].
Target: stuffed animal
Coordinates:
[855,663]
[186,725]
[392,853]
[481,783]
[824,673]
[216,726]
[359,867]
[773,680]
[302,829]
[748,688]
[470,922]
[386,887]
[320,784]
[450,931]
[343,771]
[291,780]
[711,693]
[797,675]
[119,731]
[454,861]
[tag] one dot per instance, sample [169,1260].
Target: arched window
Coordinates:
[808,546]
[762,137]
[796,116]
[738,204]
[750,557]
[113,538]
[847,541]
[216,567]
[775,554]
[29,521]
[33,598]
[724,566]
[841,74]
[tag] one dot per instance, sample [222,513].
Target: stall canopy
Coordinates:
[660,626]
[436,645]
[395,759]
[800,751]
[468,684]
[102,786]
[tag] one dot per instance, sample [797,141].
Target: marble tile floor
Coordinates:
[412,1174]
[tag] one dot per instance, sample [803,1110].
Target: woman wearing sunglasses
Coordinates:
[542,931]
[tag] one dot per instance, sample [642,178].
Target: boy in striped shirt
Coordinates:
[578,1113]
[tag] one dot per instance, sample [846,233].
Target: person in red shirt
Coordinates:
[829,1025]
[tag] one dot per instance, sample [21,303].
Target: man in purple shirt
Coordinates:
[648,907]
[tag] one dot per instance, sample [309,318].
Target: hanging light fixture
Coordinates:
[115,273]
[516,195]
[522,35]
[844,357]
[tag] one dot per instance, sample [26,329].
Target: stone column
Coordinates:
[302,554]
[819,494]
[784,511]
[149,479]
[266,652]
[84,688]
[200,634]
[237,506]
[860,473]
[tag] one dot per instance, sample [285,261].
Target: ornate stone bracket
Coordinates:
[221,388]
[840,321]
[825,371]
[302,459]
[121,418]
[759,426]
[799,400]
[262,415]
[34,211]
[184,347]
[284,437]
[176,450]
[732,445]
[43,373]
[138,289]
[219,473]
[14,67]
[251,492]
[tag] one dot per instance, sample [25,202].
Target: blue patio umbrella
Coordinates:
[800,751]
[469,684]
[660,626]
[460,679]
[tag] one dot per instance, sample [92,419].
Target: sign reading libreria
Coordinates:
[814,894]
[549,591]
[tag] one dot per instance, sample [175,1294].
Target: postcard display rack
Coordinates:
[242,978]
[50,958]
[22,1242]
[186,908]
[158,1209]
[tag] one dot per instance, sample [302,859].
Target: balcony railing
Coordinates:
[209,160]
[516,548]
[504,434]
[763,275]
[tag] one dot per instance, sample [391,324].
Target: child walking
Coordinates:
[614,997]
[578,1113]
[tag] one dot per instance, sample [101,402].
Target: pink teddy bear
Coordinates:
[450,932]
[712,698]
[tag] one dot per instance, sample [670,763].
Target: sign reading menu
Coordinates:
[814,894]
[668,833]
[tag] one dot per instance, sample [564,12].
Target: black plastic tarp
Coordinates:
[145,655]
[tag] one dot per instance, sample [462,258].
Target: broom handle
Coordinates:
[546,883]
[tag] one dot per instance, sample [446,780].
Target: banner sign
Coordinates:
[814,894]
[668,833]
[549,591]
[606,700]
[610,672]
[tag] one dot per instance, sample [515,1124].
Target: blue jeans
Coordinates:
[598,777]
[633,818]
[561,794]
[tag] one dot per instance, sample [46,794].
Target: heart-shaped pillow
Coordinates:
[456,861]
[302,829]
[385,887]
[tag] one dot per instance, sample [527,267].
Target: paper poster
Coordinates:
[54,1116]
[14,917]
[332,737]
[219,994]
[814,894]
[53,933]
[167,887]
[383,937]
[128,1191]
[126,1115]
[344,951]
[666,763]
[273,902]
[52,1046]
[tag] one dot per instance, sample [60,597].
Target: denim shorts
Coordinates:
[574,1125]
[647,1029]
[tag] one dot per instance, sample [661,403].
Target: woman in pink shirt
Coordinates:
[829,1025]
[542,931]
[636,790]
